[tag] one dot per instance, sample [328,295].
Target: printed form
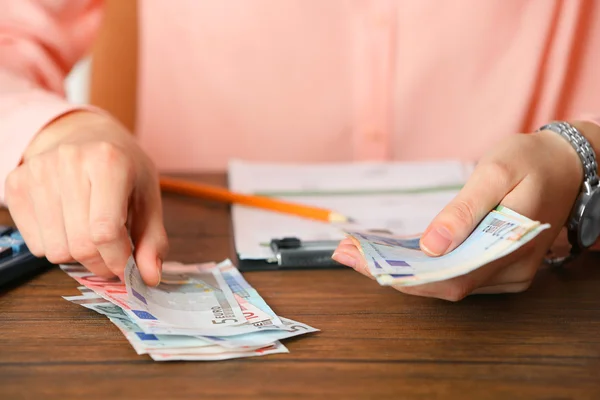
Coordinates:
[401,197]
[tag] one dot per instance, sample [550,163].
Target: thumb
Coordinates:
[484,190]
[150,238]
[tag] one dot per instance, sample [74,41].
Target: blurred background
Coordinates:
[78,81]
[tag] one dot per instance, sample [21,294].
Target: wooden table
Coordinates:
[374,342]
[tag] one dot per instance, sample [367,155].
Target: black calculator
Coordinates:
[16,261]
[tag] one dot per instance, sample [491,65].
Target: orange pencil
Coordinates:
[196,189]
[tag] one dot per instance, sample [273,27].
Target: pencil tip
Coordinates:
[339,218]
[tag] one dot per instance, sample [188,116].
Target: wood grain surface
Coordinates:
[374,342]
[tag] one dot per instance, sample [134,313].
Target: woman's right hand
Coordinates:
[83,189]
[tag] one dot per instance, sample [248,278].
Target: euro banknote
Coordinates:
[140,341]
[143,342]
[165,356]
[398,260]
[194,297]
[145,319]
[116,292]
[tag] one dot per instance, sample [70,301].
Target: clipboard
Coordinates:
[400,197]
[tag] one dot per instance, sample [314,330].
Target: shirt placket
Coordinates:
[374,65]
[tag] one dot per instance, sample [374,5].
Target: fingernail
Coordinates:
[436,241]
[345,259]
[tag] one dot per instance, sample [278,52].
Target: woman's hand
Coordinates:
[83,187]
[538,175]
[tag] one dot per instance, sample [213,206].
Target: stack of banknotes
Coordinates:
[198,312]
[398,260]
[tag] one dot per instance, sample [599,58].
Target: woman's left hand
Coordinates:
[538,175]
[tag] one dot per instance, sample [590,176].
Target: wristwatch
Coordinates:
[583,225]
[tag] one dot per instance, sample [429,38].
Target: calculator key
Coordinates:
[16,245]
[5,252]
[16,235]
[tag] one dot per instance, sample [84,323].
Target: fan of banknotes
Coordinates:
[199,312]
[398,260]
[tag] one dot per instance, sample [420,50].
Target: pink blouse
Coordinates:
[313,81]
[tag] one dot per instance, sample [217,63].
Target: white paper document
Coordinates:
[401,197]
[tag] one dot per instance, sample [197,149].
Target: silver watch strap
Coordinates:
[581,146]
[588,159]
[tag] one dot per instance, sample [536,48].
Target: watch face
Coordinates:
[590,221]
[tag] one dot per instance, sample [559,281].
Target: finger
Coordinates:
[148,233]
[111,182]
[350,255]
[521,271]
[363,267]
[344,258]
[46,199]
[513,268]
[488,185]
[346,253]
[346,241]
[22,212]
[75,192]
